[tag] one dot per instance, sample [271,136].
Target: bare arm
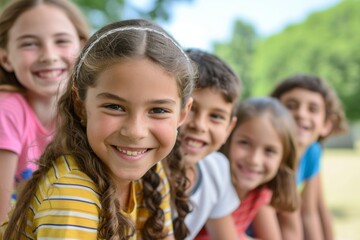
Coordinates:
[222,228]
[291,225]
[325,215]
[170,237]
[8,163]
[310,210]
[266,225]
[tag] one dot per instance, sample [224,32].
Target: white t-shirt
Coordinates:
[213,195]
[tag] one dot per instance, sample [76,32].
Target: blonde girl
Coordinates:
[39,41]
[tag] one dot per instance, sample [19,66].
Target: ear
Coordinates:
[327,128]
[185,111]
[4,60]
[230,127]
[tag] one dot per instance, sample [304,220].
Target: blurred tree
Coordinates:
[327,44]
[239,51]
[100,12]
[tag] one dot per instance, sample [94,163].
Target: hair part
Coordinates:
[333,108]
[283,186]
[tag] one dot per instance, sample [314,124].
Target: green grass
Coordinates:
[341,183]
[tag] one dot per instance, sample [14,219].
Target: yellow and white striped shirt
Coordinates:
[66,205]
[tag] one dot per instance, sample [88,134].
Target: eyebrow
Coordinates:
[106,95]
[221,110]
[21,37]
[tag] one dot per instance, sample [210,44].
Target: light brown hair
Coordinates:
[283,186]
[16,8]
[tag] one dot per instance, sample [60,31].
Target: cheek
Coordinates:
[165,132]
[273,167]
[70,54]
[219,135]
[236,154]
[21,59]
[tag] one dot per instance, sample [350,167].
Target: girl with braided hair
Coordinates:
[101,176]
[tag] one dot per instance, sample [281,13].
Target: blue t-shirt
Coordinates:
[309,165]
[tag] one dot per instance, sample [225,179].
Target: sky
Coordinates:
[200,23]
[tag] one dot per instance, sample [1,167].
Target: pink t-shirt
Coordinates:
[21,132]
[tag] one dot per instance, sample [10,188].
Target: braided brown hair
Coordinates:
[70,137]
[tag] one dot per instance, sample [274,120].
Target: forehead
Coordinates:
[212,97]
[302,95]
[257,127]
[137,79]
[40,20]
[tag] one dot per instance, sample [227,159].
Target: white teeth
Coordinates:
[49,74]
[193,143]
[131,153]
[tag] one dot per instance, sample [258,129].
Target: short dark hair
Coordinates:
[214,72]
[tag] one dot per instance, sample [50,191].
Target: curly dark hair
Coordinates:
[70,137]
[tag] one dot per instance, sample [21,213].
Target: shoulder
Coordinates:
[256,198]
[216,161]
[67,184]
[13,106]
[9,99]
[215,168]
[66,203]
[216,176]
[315,149]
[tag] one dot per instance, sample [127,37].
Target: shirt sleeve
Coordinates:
[314,154]
[10,130]
[228,199]
[69,209]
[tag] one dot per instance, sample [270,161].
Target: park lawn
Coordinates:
[341,183]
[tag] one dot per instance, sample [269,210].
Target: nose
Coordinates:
[48,53]
[300,112]
[197,121]
[134,127]
[255,157]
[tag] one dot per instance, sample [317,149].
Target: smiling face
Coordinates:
[131,117]
[41,50]
[208,125]
[255,153]
[308,110]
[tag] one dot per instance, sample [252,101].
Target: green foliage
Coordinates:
[100,12]
[238,53]
[327,44]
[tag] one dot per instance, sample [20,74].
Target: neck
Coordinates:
[123,192]
[45,109]
[241,193]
